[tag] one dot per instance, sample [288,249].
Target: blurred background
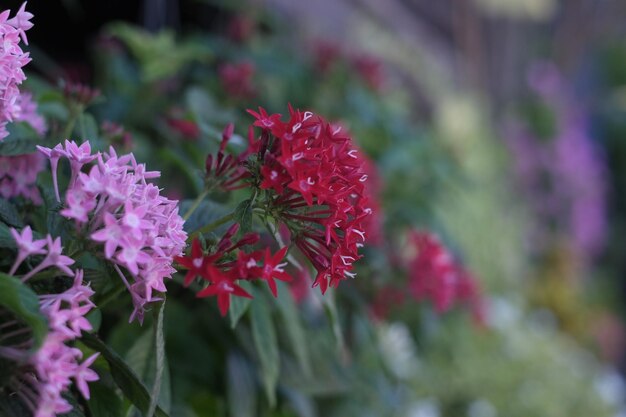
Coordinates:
[499,125]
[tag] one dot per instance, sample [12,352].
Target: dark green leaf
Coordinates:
[239,305]
[76,410]
[243,215]
[124,377]
[145,357]
[23,302]
[6,239]
[241,387]
[22,139]
[11,406]
[291,318]
[206,213]
[264,336]
[104,402]
[159,348]
[9,214]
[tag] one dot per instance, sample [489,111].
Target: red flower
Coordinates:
[319,184]
[273,269]
[195,263]
[236,79]
[221,285]
[370,69]
[187,128]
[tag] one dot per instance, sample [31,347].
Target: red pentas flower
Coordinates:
[221,269]
[370,69]
[434,274]
[314,184]
[236,79]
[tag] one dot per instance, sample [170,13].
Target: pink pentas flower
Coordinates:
[26,246]
[12,60]
[111,200]
[43,377]
[53,253]
[18,173]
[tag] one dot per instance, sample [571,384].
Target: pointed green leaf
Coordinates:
[9,214]
[239,305]
[241,387]
[23,302]
[243,215]
[291,318]
[264,336]
[123,375]
[104,402]
[159,353]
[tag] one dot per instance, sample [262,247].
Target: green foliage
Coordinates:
[24,304]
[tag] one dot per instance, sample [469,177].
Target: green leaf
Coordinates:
[22,139]
[76,410]
[239,305]
[104,402]
[147,358]
[241,387]
[123,375]
[206,213]
[243,216]
[6,239]
[159,347]
[9,214]
[11,406]
[264,336]
[87,127]
[295,332]
[23,302]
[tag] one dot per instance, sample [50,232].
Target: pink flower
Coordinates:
[12,59]
[115,205]
[26,246]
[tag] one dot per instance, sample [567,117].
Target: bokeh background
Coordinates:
[499,125]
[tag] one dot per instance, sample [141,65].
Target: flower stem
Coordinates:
[112,295]
[196,204]
[212,226]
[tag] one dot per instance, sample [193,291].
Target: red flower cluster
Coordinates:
[318,183]
[327,55]
[435,275]
[221,269]
[236,79]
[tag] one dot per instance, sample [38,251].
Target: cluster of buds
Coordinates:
[226,263]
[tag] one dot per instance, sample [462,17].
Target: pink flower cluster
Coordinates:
[48,373]
[55,363]
[12,59]
[49,247]
[115,205]
[18,175]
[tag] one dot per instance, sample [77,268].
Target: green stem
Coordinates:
[112,295]
[196,204]
[75,113]
[212,226]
